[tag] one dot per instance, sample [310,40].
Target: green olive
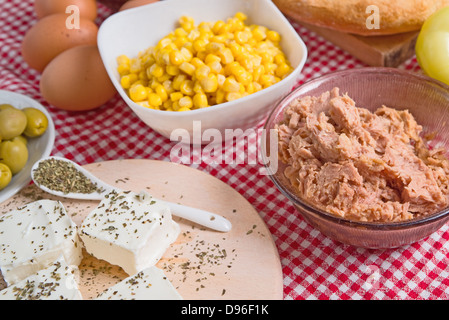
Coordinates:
[14,154]
[12,123]
[6,106]
[21,138]
[37,122]
[5,175]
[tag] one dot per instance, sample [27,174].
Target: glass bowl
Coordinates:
[428,102]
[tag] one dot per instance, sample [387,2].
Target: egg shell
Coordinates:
[50,36]
[135,3]
[87,8]
[76,80]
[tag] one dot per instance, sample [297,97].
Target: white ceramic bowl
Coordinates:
[133,30]
[38,148]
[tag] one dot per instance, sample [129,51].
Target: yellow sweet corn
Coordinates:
[215,66]
[258,72]
[187,88]
[123,59]
[180,32]
[231,96]
[242,37]
[138,92]
[241,16]
[209,83]
[176,57]
[259,33]
[231,85]
[187,68]
[279,59]
[168,86]
[202,72]
[187,23]
[154,83]
[225,55]
[199,66]
[156,70]
[213,47]
[220,96]
[197,62]
[217,26]
[127,80]
[212,58]
[172,70]
[237,24]
[178,80]
[175,96]
[200,45]
[273,36]
[155,100]
[221,78]
[164,77]
[123,69]
[135,65]
[161,92]
[145,104]
[249,88]
[185,102]
[219,38]
[197,88]
[186,53]
[200,100]
[282,70]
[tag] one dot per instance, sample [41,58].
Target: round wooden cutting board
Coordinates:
[202,263]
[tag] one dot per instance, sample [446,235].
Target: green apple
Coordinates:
[432,46]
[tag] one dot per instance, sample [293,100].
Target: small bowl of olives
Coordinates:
[27,134]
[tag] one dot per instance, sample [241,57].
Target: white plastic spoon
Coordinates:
[204,218]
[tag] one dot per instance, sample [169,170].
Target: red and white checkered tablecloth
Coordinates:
[314,266]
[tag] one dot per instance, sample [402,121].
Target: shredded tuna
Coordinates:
[361,165]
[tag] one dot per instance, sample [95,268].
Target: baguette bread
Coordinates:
[356,16]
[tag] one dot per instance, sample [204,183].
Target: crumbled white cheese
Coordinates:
[149,284]
[131,230]
[34,236]
[56,282]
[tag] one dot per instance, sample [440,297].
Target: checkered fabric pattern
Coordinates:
[314,266]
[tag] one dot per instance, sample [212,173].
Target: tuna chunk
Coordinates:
[361,165]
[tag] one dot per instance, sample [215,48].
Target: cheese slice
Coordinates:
[131,230]
[34,236]
[149,284]
[56,282]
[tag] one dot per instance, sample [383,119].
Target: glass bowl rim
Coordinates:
[297,202]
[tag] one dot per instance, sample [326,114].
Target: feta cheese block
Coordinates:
[57,282]
[131,230]
[34,236]
[149,284]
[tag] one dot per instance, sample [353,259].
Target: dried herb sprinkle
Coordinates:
[63,176]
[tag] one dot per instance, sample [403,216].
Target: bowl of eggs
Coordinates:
[27,134]
[188,66]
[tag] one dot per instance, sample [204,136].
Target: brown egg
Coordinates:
[87,8]
[51,35]
[76,80]
[135,3]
